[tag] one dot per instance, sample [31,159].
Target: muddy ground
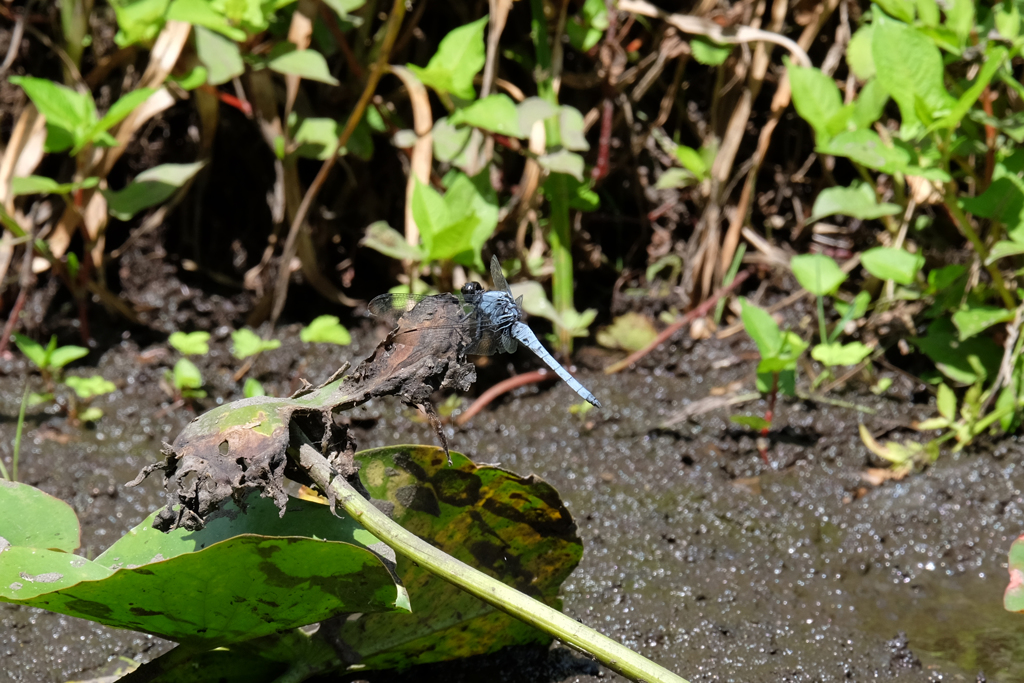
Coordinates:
[697,554]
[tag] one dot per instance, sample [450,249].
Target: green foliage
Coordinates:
[71,118]
[326,329]
[151,187]
[458,59]
[779,350]
[245,343]
[630,332]
[51,358]
[186,379]
[35,184]
[587,28]
[87,388]
[190,343]
[856,201]
[817,273]
[888,263]
[252,387]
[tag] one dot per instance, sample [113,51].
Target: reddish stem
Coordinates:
[604,143]
[769,415]
[499,389]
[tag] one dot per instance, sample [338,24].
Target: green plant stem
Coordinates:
[822,332]
[949,200]
[17,436]
[615,656]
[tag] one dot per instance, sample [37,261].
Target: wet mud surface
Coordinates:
[697,554]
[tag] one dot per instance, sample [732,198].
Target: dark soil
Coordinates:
[696,553]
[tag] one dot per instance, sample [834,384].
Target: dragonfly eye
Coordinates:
[471,288]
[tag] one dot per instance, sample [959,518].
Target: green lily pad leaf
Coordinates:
[1013,598]
[245,575]
[976,319]
[630,332]
[511,527]
[34,519]
[817,273]
[840,354]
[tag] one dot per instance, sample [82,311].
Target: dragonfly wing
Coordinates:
[385,305]
[497,277]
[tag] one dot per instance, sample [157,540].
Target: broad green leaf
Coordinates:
[563,161]
[496,113]
[1013,598]
[139,21]
[866,148]
[858,53]
[784,382]
[1003,199]
[68,113]
[960,18]
[193,79]
[901,9]
[118,111]
[510,527]
[762,328]
[245,343]
[888,263]
[317,138]
[252,387]
[190,343]
[326,329]
[244,576]
[928,10]
[965,362]
[1006,17]
[708,52]
[531,110]
[219,55]
[570,124]
[629,332]
[37,184]
[186,375]
[449,140]
[151,187]
[909,67]
[818,274]
[816,98]
[1003,249]
[90,387]
[857,201]
[971,321]
[430,212]
[473,197]
[791,347]
[29,517]
[383,238]
[837,354]
[946,402]
[459,58]
[202,13]
[755,422]
[308,64]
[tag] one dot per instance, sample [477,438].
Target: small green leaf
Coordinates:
[858,53]
[186,375]
[247,343]
[888,263]
[837,354]
[31,518]
[219,55]
[344,8]
[449,140]
[815,96]
[909,66]
[63,107]
[252,388]
[675,178]
[495,113]
[308,64]
[867,148]
[33,350]
[531,110]
[762,328]
[151,187]
[860,306]
[971,321]
[139,21]
[326,329]
[193,79]
[191,343]
[709,53]
[60,357]
[383,238]
[36,184]
[118,111]
[857,201]
[966,362]
[692,160]
[946,402]
[570,124]
[90,387]
[202,13]
[817,273]
[563,161]
[754,422]
[90,414]
[1000,250]
[458,59]
[587,28]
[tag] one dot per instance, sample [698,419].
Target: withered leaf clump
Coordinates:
[235,449]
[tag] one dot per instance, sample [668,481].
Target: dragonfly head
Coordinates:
[472,290]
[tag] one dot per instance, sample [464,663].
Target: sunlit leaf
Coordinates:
[630,332]
[245,343]
[308,64]
[326,329]
[151,187]
[889,263]
[90,387]
[190,343]
[857,201]
[219,55]
[970,321]
[458,59]
[817,273]
[836,354]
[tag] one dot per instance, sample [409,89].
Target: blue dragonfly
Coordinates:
[492,320]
